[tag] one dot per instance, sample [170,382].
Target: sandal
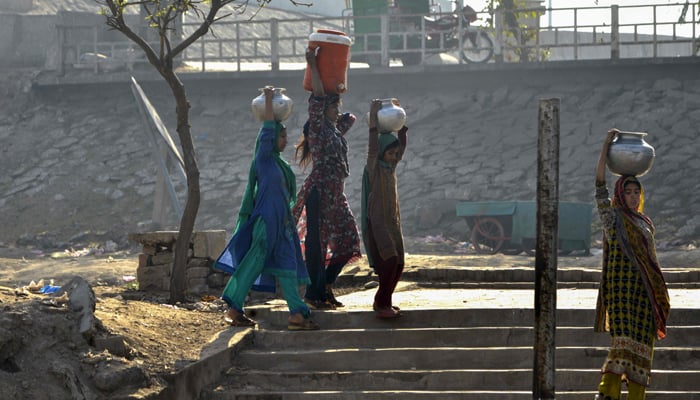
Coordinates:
[319,304]
[387,313]
[305,325]
[332,300]
[239,319]
[395,308]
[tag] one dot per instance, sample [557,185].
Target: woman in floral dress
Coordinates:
[326,222]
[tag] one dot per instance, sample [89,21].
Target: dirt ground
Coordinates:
[38,338]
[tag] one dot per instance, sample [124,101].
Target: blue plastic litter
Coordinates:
[49,289]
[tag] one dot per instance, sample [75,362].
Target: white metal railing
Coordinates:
[581,33]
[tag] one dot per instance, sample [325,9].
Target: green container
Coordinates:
[368,23]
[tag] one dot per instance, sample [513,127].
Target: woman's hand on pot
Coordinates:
[375,106]
[611,135]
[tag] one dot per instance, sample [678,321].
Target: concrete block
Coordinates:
[165,238]
[149,249]
[216,280]
[162,258]
[197,285]
[199,263]
[197,272]
[153,277]
[144,260]
[208,244]
[114,344]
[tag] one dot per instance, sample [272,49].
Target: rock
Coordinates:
[82,302]
[111,377]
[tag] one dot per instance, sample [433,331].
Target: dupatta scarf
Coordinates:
[640,249]
[248,200]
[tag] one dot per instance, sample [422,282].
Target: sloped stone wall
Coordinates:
[78,163]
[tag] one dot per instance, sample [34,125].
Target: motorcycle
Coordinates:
[473,43]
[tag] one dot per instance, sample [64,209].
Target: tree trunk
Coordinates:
[178,283]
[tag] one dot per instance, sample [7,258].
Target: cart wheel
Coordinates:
[487,235]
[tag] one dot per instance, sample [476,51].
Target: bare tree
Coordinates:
[162,17]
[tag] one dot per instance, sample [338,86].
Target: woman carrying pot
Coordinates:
[381,216]
[326,222]
[633,302]
[265,244]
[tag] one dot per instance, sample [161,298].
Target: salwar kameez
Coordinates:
[381,214]
[633,300]
[265,244]
[325,222]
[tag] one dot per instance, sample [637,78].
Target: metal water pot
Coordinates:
[391,117]
[281,105]
[630,154]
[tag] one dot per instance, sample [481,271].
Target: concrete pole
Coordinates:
[384,20]
[546,250]
[615,32]
[275,44]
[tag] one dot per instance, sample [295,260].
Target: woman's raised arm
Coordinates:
[603,158]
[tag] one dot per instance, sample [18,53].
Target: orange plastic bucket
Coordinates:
[332,60]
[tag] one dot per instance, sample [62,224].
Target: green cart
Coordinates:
[510,227]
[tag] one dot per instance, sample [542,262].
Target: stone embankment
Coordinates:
[78,166]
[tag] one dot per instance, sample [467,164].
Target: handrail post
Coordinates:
[384,20]
[203,54]
[61,48]
[274,45]
[497,46]
[575,33]
[615,32]
[238,47]
[94,50]
[423,37]
[656,42]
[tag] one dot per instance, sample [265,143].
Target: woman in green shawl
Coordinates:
[265,244]
[633,303]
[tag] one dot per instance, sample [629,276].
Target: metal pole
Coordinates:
[384,20]
[543,387]
[274,44]
[614,32]
[498,44]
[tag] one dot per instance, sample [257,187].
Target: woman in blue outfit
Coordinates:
[265,244]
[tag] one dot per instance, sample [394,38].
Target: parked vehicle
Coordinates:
[413,32]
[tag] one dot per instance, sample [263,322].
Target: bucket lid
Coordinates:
[330,36]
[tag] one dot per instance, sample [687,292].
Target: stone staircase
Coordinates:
[453,353]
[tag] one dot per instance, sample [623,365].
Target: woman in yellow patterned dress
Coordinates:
[633,303]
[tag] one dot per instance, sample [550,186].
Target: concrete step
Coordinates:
[675,277]
[423,394]
[276,318]
[531,285]
[566,336]
[567,380]
[444,358]
[441,353]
